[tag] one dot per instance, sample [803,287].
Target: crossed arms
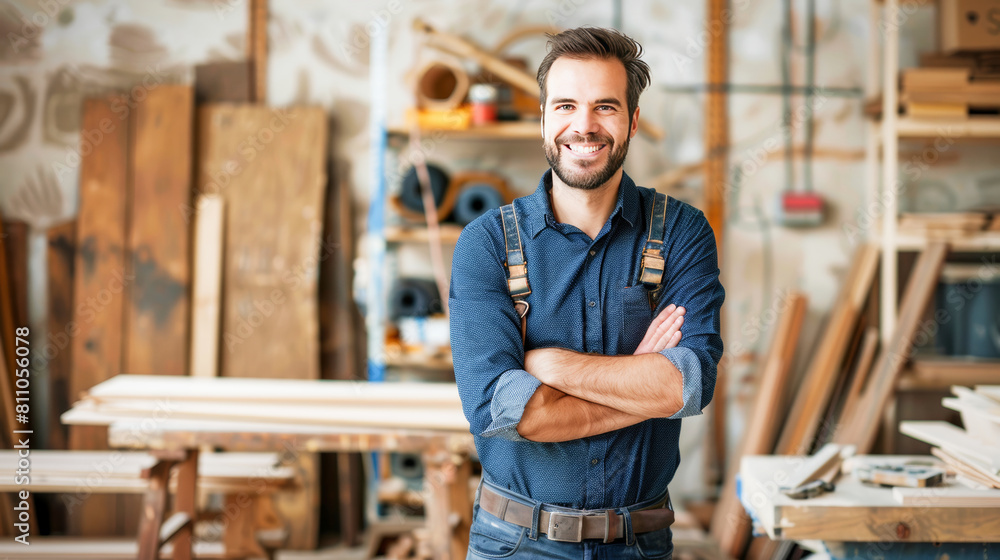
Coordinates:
[583,395]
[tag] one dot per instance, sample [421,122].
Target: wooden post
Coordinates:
[257,50]
[447,505]
[153,505]
[184,502]
[716,165]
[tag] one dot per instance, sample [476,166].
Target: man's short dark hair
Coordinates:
[597,42]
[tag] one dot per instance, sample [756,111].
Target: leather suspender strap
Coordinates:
[653,262]
[517,266]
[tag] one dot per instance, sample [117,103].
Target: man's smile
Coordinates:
[588,150]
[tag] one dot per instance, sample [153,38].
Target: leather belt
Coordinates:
[579,524]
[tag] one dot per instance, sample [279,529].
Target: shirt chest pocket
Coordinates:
[636,317]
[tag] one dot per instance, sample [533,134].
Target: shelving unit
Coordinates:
[509,130]
[886,134]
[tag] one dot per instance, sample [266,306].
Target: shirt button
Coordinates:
[591,303]
[592,253]
[593,462]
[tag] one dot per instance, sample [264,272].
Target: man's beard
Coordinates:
[586,178]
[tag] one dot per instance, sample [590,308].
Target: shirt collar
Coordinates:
[540,213]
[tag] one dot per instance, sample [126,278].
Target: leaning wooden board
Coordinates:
[157,307]
[855,511]
[99,285]
[269,166]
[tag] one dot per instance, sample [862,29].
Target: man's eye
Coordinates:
[606,108]
[564,106]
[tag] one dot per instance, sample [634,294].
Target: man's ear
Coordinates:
[542,123]
[635,123]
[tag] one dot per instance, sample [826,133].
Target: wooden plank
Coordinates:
[952,438]
[868,347]
[6,313]
[278,391]
[15,242]
[967,465]
[815,390]
[99,284]
[991,391]
[816,465]
[59,258]
[99,266]
[862,428]
[730,524]
[949,496]
[940,373]
[274,208]
[153,510]
[206,286]
[343,415]
[185,501]
[157,304]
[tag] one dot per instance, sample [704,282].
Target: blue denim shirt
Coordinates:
[585,297]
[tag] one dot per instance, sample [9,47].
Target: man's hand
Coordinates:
[664,332]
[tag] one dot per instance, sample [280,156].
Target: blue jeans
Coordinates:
[492,538]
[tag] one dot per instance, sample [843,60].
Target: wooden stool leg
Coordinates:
[153,505]
[185,501]
[448,509]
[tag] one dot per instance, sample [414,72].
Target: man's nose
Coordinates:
[584,123]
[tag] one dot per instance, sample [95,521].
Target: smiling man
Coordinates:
[566,315]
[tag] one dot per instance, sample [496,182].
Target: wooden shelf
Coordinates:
[411,234]
[506,130]
[958,241]
[978,127]
[940,373]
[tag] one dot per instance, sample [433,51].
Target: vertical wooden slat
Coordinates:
[716,152]
[257,49]
[60,259]
[206,286]
[158,304]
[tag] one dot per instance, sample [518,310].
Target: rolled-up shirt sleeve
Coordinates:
[693,283]
[485,335]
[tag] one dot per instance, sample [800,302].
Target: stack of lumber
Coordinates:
[841,395]
[973,453]
[948,93]
[282,402]
[944,223]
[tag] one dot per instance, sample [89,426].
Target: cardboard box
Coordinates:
[969,25]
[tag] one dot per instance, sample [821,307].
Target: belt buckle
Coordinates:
[565,528]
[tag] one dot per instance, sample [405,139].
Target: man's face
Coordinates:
[585,120]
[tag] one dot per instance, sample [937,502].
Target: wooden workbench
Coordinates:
[169,427]
[857,512]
